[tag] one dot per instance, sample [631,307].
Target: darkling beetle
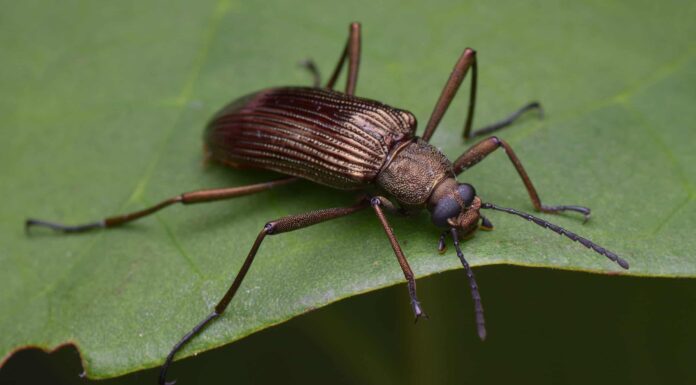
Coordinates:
[346,142]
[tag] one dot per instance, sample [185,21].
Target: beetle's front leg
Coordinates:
[377,203]
[482,149]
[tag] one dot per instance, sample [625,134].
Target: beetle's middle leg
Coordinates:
[282,225]
[466,61]
[485,147]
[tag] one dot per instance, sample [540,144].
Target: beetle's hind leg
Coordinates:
[351,54]
[312,68]
[199,196]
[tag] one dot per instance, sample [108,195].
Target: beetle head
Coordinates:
[454,204]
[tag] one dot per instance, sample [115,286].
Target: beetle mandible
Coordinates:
[346,142]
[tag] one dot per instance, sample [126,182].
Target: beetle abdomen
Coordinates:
[321,135]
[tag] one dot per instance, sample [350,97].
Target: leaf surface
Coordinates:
[102,108]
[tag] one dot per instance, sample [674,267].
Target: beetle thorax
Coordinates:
[414,172]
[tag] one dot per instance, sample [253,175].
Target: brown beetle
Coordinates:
[351,143]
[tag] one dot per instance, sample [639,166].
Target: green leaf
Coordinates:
[103,104]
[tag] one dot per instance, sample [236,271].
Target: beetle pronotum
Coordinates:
[346,142]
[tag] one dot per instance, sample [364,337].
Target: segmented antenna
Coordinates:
[583,241]
[478,308]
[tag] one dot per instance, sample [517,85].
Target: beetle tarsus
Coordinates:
[184,340]
[587,217]
[29,223]
[311,66]
[508,121]
[418,311]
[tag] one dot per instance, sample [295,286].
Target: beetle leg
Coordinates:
[377,203]
[311,66]
[185,198]
[467,60]
[482,149]
[282,225]
[352,53]
[491,128]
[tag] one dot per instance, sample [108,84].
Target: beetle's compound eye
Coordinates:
[467,192]
[445,209]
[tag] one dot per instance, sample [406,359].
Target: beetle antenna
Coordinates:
[478,308]
[560,230]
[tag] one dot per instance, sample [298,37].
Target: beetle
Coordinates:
[351,143]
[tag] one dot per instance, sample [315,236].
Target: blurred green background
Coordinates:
[545,326]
